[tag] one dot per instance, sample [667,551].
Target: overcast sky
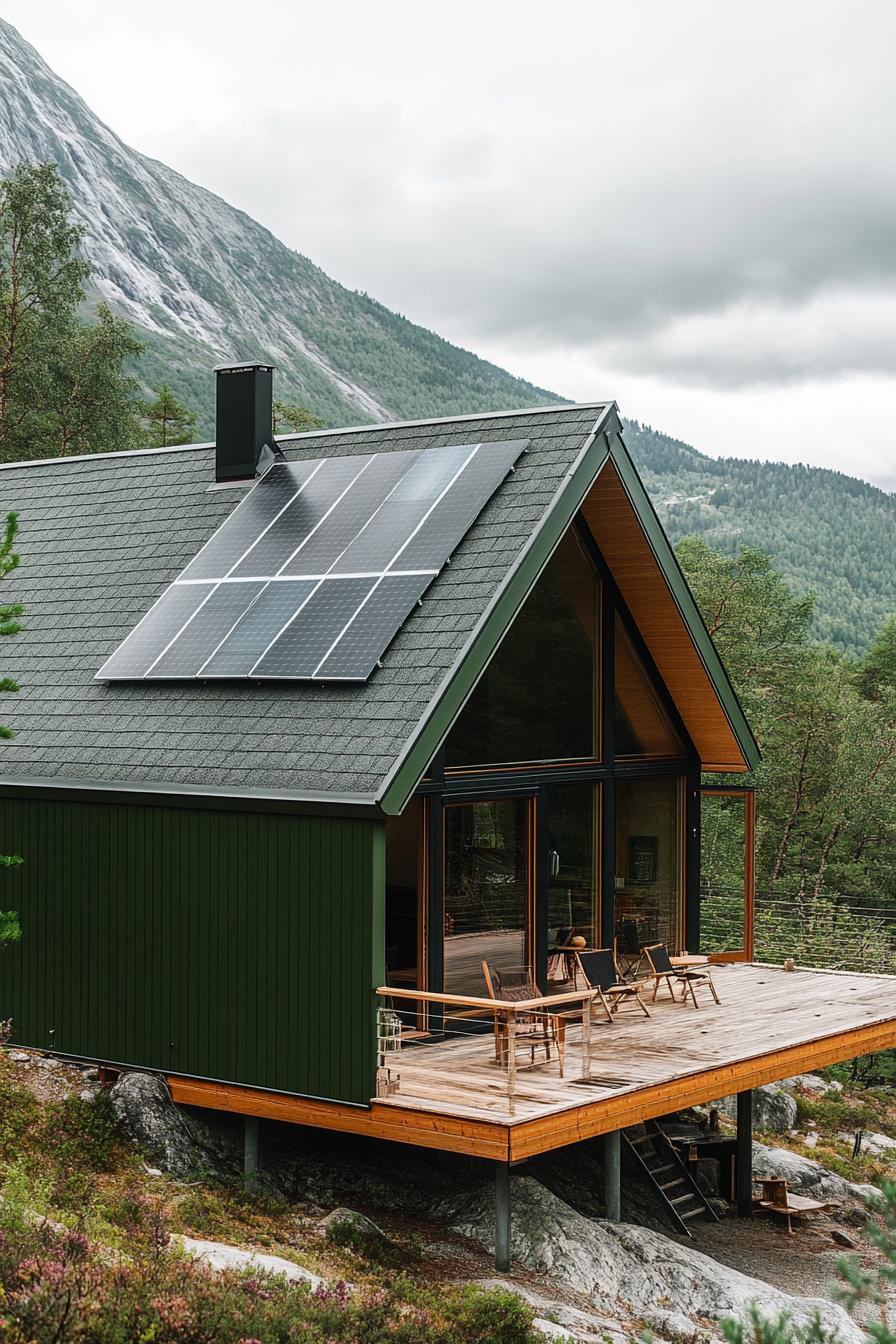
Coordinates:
[688,206]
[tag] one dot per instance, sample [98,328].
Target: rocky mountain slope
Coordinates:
[203,282]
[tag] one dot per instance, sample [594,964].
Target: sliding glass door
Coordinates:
[487,890]
[649,862]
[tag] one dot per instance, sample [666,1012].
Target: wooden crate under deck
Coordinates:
[770,1025]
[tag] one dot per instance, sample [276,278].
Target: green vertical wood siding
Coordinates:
[242,947]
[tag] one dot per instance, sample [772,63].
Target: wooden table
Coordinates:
[688,959]
[568,954]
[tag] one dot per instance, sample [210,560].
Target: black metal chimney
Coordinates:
[243,418]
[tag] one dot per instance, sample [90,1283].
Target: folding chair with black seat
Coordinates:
[662,968]
[628,946]
[531,1029]
[601,974]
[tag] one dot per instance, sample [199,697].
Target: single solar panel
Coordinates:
[357,651]
[317,568]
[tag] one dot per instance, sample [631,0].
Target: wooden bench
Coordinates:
[776,1198]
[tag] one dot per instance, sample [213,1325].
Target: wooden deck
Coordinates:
[451,1094]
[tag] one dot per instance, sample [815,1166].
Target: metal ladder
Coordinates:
[658,1158]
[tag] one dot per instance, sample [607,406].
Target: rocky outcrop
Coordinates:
[346,1227]
[805,1177]
[879,1145]
[811,1082]
[559,1320]
[676,1290]
[774,1109]
[219,1256]
[184,1140]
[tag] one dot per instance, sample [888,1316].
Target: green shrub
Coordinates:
[497,1317]
[835,1112]
[357,1235]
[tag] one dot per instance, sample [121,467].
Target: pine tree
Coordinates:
[294,419]
[62,386]
[825,788]
[167,421]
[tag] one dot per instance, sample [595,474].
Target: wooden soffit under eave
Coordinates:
[616,528]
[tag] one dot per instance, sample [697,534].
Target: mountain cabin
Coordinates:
[338,755]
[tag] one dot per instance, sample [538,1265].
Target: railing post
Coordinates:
[511,1058]
[586,1038]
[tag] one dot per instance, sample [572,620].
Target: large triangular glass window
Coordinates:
[538,698]
[642,726]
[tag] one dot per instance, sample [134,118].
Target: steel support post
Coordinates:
[502,1217]
[250,1153]
[613,1176]
[743,1156]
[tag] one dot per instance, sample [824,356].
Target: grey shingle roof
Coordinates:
[101,537]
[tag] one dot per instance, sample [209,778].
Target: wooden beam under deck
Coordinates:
[771,1025]
[379,1121]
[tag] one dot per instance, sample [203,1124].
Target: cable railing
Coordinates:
[824,931]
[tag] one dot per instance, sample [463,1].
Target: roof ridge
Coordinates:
[90,457]
[447,419]
[379,425]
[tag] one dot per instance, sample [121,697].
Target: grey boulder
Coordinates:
[183,1140]
[811,1082]
[218,1255]
[774,1109]
[805,1177]
[879,1145]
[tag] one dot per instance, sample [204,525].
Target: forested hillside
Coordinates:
[826,532]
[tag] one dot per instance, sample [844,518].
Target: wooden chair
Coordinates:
[601,973]
[532,1029]
[776,1198]
[688,977]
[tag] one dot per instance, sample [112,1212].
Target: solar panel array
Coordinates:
[316,570]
